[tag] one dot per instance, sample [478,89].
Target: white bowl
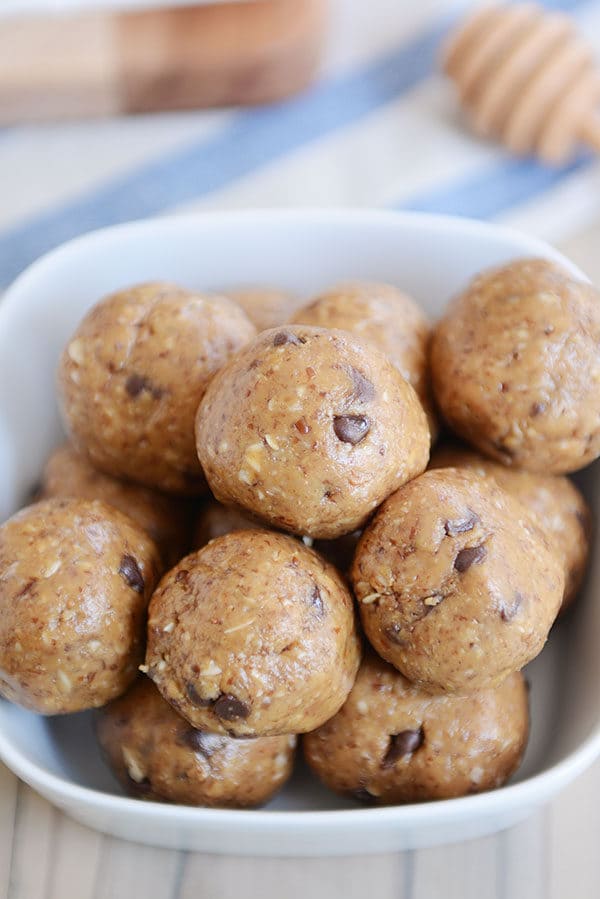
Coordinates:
[431,257]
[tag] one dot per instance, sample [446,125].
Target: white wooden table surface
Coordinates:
[553,855]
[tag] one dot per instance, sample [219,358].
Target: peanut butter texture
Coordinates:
[254,634]
[157,755]
[555,502]
[515,364]
[391,742]
[131,377]
[310,429]
[75,581]
[456,583]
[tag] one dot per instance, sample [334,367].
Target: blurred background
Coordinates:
[111,111]
[358,114]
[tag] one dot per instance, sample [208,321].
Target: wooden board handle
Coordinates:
[188,57]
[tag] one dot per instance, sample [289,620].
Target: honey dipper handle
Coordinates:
[591,133]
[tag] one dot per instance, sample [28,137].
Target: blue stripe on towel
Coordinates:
[490,191]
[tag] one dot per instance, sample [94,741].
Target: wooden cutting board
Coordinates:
[106,64]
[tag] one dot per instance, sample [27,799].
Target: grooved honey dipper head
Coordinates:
[527,78]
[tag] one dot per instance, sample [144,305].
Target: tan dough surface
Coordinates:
[214,520]
[393,743]
[266,307]
[560,509]
[310,430]
[253,634]
[457,585]
[157,755]
[386,317]
[132,376]
[165,518]
[75,580]
[515,366]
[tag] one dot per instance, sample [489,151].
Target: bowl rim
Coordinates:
[529,792]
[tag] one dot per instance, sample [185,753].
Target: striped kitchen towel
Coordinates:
[380,128]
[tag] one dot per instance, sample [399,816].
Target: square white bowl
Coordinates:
[431,257]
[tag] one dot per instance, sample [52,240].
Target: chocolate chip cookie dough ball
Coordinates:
[131,377]
[516,367]
[393,743]
[310,430]
[157,755]
[457,586]
[165,518]
[253,635]
[215,520]
[75,580]
[560,509]
[266,307]
[387,318]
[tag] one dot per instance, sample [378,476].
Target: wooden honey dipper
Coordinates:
[525,76]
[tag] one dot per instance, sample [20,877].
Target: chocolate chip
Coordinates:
[351,428]
[362,795]
[230,708]
[135,384]
[130,571]
[284,337]
[508,612]
[364,390]
[317,601]
[456,526]
[537,409]
[394,634]
[195,698]
[204,744]
[182,576]
[404,743]
[469,556]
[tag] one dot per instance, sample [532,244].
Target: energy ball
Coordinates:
[253,635]
[310,430]
[560,509]
[132,376]
[393,743]
[156,755]
[516,367]
[456,583]
[266,307]
[387,318]
[75,580]
[165,518]
[215,520]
